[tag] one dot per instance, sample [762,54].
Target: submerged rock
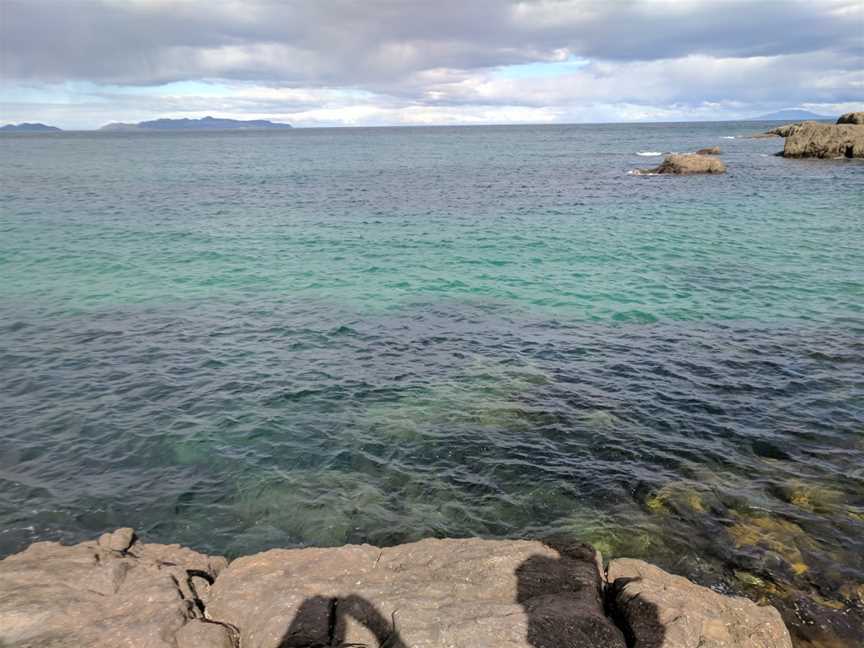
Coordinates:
[851,118]
[711,150]
[660,610]
[686,164]
[680,497]
[774,535]
[812,497]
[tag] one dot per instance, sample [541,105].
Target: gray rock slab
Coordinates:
[90,594]
[660,610]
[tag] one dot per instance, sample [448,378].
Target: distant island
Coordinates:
[29,128]
[205,123]
[790,115]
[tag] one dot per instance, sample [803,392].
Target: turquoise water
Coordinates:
[245,340]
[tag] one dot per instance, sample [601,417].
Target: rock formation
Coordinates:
[457,593]
[109,593]
[711,150]
[852,118]
[658,609]
[813,140]
[434,593]
[787,129]
[689,163]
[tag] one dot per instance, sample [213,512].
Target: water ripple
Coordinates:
[505,337]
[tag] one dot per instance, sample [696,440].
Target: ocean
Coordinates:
[247,340]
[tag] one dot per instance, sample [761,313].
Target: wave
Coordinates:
[727,137]
[640,172]
[648,153]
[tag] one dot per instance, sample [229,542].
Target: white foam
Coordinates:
[648,153]
[727,137]
[640,172]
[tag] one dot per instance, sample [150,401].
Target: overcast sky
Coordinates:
[82,63]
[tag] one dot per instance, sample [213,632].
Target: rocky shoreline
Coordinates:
[455,593]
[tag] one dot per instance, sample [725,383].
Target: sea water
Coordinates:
[245,340]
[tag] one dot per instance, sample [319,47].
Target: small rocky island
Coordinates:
[27,127]
[811,139]
[205,123]
[688,163]
[702,161]
[468,593]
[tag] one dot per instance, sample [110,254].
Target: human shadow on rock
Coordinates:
[568,607]
[322,622]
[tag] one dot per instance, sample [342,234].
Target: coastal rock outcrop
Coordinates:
[810,139]
[108,593]
[689,163]
[661,610]
[466,593]
[852,118]
[432,593]
[787,129]
[813,140]
[710,150]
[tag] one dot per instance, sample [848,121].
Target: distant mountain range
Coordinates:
[205,123]
[790,115]
[29,128]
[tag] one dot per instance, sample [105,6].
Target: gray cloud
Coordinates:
[444,53]
[344,42]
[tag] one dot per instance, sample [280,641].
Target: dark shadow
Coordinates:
[321,622]
[562,596]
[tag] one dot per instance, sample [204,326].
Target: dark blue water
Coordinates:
[245,340]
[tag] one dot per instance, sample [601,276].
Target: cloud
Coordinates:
[412,61]
[691,79]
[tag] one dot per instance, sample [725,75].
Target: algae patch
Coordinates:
[678,497]
[777,535]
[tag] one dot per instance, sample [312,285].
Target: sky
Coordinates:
[79,64]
